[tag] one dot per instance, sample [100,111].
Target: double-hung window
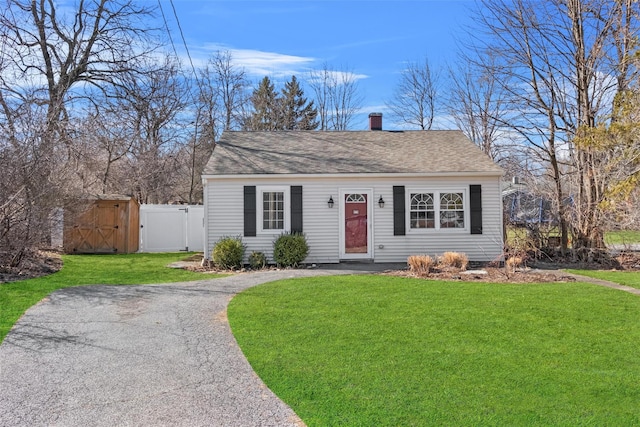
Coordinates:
[451,210]
[436,209]
[422,210]
[274,212]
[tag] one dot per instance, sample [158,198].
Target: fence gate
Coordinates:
[171,228]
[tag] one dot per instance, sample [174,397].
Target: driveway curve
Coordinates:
[151,355]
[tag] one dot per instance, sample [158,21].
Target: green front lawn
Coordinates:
[130,269]
[628,278]
[391,351]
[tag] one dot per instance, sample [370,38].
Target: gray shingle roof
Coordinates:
[346,152]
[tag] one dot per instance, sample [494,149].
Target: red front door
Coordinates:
[355,226]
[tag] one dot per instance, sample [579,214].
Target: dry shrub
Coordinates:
[421,264]
[513,262]
[454,259]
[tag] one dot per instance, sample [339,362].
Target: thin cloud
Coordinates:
[265,63]
[369,42]
[336,76]
[256,62]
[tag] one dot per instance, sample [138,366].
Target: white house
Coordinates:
[371,195]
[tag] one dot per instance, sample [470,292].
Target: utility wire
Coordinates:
[186,48]
[166,25]
[184,42]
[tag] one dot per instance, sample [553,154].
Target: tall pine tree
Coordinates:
[296,112]
[265,102]
[290,111]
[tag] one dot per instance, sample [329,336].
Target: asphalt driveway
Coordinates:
[152,355]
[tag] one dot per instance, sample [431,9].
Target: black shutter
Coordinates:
[398,211]
[475,202]
[249,210]
[296,209]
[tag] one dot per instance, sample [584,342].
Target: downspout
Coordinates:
[205,228]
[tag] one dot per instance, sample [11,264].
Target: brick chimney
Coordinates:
[375,121]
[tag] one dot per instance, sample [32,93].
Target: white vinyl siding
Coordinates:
[478,247]
[224,198]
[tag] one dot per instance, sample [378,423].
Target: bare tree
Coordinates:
[556,68]
[221,104]
[51,59]
[321,81]
[195,156]
[226,85]
[476,102]
[615,145]
[95,46]
[415,99]
[155,103]
[21,198]
[337,96]
[615,25]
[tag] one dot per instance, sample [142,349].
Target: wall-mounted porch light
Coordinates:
[381,202]
[330,202]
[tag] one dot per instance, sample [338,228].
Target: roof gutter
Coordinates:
[354,175]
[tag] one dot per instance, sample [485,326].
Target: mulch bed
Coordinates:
[537,272]
[488,274]
[36,264]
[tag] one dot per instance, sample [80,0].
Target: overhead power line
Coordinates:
[184,41]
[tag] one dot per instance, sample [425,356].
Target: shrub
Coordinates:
[513,262]
[290,249]
[257,260]
[421,264]
[228,252]
[454,259]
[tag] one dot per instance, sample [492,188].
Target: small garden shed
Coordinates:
[105,224]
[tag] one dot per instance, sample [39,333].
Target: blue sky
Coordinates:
[279,38]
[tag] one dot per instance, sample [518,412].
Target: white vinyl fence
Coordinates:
[171,228]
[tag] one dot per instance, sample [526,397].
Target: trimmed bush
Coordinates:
[290,249]
[257,260]
[228,252]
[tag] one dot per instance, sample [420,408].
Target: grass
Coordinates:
[391,351]
[518,236]
[129,269]
[622,237]
[628,278]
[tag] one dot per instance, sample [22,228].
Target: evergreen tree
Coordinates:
[296,113]
[290,111]
[265,102]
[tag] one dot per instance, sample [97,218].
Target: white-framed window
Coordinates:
[451,210]
[273,209]
[422,211]
[356,198]
[436,210]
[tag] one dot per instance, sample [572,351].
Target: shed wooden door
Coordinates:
[355,224]
[97,230]
[107,227]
